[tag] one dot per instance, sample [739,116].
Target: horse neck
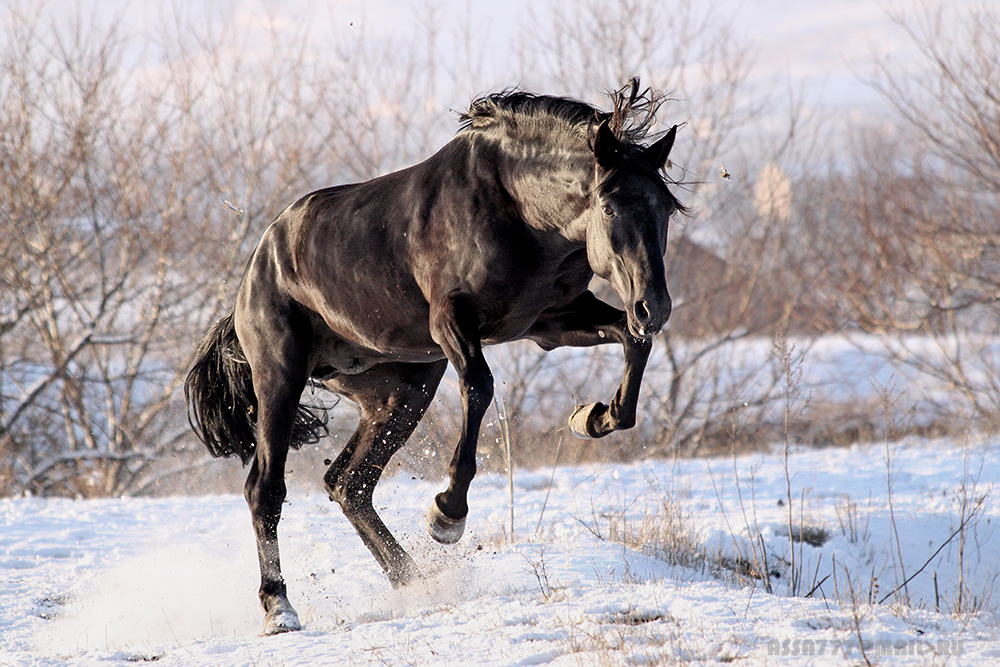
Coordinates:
[552,189]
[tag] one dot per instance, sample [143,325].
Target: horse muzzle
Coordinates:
[646,317]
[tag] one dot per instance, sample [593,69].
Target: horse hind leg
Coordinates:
[392,398]
[277,350]
[264,494]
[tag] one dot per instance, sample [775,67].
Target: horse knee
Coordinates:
[480,388]
[331,481]
[336,490]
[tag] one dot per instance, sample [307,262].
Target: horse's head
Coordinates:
[630,207]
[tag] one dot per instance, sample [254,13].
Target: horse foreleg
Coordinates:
[455,328]
[596,420]
[588,321]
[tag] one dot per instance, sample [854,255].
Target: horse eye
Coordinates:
[607,210]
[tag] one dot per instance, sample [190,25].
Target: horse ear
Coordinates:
[657,154]
[607,147]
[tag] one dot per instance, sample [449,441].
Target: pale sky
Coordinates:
[818,48]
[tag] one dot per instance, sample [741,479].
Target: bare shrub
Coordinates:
[137,178]
[135,189]
[908,229]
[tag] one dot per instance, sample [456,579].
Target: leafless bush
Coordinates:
[136,182]
[944,203]
[85,270]
[134,192]
[905,222]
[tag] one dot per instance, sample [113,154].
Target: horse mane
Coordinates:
[632,116]
[631,119]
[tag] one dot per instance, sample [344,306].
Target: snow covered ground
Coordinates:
[587,578]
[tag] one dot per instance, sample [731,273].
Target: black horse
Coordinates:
[372,288]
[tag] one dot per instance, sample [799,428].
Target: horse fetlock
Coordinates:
[443,528]
[622,421]
[589,421]
[403,572]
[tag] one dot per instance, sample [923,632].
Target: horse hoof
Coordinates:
[281,619]
[443,528]
[583,421]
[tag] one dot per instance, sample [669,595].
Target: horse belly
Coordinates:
[349,347]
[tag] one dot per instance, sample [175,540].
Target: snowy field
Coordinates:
[645,563]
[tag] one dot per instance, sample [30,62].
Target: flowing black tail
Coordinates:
[222,406]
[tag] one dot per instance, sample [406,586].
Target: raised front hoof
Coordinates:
[443,528]
[281,619]
[585,422]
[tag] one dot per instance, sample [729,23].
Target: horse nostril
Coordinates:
[642,311]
